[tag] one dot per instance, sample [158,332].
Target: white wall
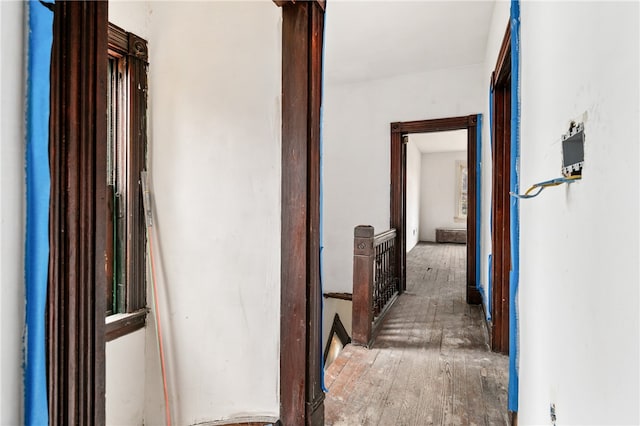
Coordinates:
[578,300]
[438,199]
[214,159]
[125,380]
[214,162]
[496,34]
[414,166]
[356,121]
[12,205]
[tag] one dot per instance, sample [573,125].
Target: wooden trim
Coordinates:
[472,293]
[337,329]
[301,396]
[398,188]
[503,63]
[500,201]
[125,325]
[341,296]
[78,213]
[281,3]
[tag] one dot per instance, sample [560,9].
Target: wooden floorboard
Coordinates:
[430,364]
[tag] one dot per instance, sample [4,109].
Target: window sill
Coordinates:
[118,325]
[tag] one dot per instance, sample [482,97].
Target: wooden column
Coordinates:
[363,258]
[77,278]
[301,396]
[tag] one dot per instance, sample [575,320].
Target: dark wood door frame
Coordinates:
[500,200]
[301,395]
[399,195]
[78,214]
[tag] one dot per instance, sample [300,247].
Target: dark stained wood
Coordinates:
[431,363]
[315,362]
[473,294]
[362,310]
[126,325]
[136,227]
[503,64]
[398,188]
[341,296]
[501,176]
[301,396]
[78,214]
[398,199]
[132,228]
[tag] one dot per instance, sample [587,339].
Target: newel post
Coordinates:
[363,258]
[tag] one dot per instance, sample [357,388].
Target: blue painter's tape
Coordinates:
[37,211]
[321,224]
[478,198]
[489,286]
[514,275]
[489,265]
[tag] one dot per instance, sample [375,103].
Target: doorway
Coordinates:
[399,131]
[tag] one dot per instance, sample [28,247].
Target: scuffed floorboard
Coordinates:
[431,363]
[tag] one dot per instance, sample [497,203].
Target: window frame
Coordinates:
[131,55]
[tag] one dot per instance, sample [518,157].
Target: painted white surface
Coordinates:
[214,154]
[357,119]
[382,39]
[12,209]
[438,188]
[125,380]
[499,23]
[452,140]
[414,166]
[578,299]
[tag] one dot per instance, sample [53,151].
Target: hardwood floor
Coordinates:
[431,363]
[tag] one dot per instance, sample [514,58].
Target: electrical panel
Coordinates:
[573,150]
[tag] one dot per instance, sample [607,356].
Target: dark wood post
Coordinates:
[78,217]
[363,258]
[301,395]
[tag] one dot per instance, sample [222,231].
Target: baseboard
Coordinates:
[244,421]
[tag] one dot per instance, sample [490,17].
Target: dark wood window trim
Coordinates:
[399,181]
[125,324]
[130,53]
[78,213]
[301,395]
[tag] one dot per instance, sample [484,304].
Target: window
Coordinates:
[126,159]
[461,190]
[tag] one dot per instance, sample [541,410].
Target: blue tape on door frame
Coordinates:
[489,278]
[514,275]
[37,211]
[321,201]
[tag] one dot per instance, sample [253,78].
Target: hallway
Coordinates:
[430,364]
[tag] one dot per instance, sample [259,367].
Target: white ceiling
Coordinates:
[454,140]
[366,40]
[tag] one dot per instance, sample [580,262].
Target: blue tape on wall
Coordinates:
[37,212]
[321,224]
[478,199]
[489,278]
[514,276]
[490,285]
